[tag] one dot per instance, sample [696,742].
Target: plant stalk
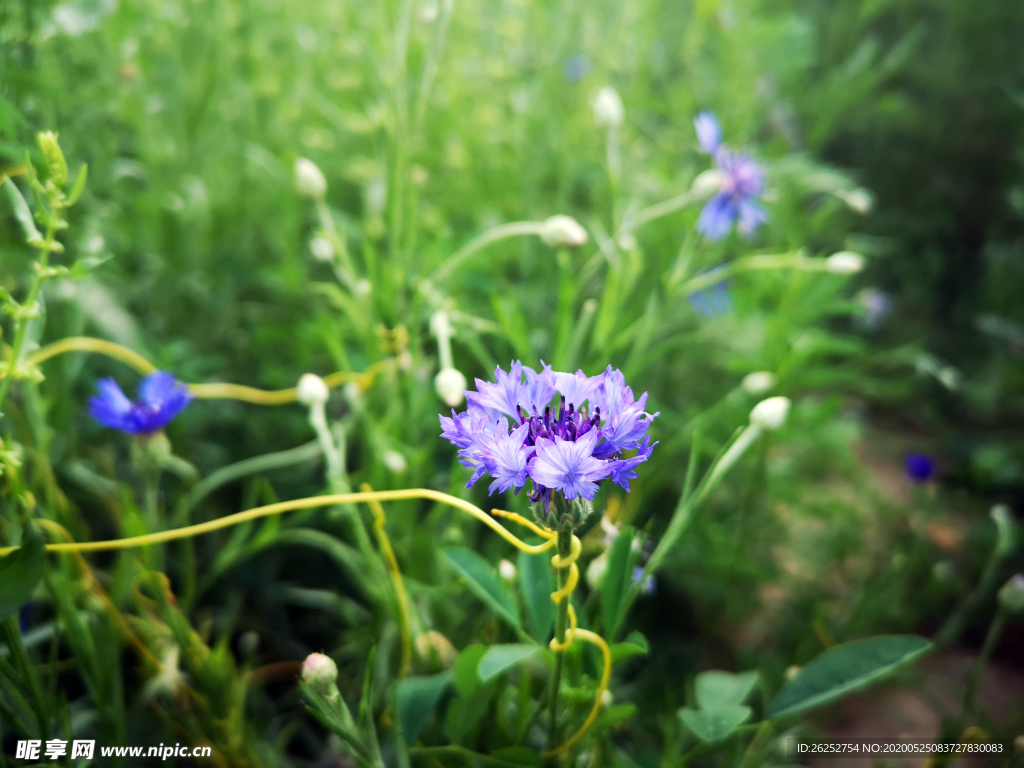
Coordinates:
[561,625]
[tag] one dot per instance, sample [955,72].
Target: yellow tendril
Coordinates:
[396,580]
[515,517]
[574,573]
[288,506]
[558,647]
[87,344]
[590,637]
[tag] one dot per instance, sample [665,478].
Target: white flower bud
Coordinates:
[844,263]
[860,200]
[562,231]
[320,673]
[607,698]
[596,570]
[450,385]
[770,413]
[708,183]
[1011,596]
[757,382]
[363,287]
[507,570]
[394,461]
[321,249]
[309,181]
[313,390]
[608,109]
[434,647]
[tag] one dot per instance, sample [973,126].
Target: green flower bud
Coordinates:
[56,166]
[320,673]
[1011,596]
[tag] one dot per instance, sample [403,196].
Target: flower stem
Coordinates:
[561,624]
[515,229]
[22,322]
[995,629]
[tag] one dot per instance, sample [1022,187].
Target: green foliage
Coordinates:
[21,571]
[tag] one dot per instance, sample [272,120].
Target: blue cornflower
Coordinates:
[713,302]
[919,468]
[568,452]
[741,183]
[649,587]
[161,398]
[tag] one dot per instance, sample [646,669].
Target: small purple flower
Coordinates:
[742,183]
[576,67]
[566,449]
[649,586]
[161,398]
[713,302]
[919,468]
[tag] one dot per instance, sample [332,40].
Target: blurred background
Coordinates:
[891,129]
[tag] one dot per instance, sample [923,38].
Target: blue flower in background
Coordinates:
[569,450]
[741,183]
[161,398]
[576,67]
[649,587]
[919,468]
[713,302]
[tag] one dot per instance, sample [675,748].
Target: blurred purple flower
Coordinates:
[742,182]
[713,302]
[576,67]
[649,586]
[161,398]
[919,468]
[569,451]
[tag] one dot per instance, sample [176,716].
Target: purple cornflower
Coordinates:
[742,182]
[919,468]
[649,587]
[161,398]
[568,449]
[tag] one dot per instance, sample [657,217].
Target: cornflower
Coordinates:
[740,181]
[568,432]
[161,398]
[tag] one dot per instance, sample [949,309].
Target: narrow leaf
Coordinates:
[21,571]
[537,582]
[500,658]
[22,213]
[634,645]
[483,582]
[417,697]
[616,580]
[846,668]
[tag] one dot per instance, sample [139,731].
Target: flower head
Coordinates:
[161,398]
[741,182]
[309,180]
[919,468]
[565,449]
[608,109]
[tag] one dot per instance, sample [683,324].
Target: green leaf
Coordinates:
[716,689]
[846,668]
[417,697]
[21,571]
[484,583]
[465,667]
[77,187]
[635,644]
[518,756]
[615,713]
[616,580]
[537,582]
[500,658]
[716,723]
[22,213]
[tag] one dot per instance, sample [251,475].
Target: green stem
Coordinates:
[995,629]
[516,228]
[22,323]
[561,625]
[20,659]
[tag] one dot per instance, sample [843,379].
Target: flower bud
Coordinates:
[394,461]
[450,385]
[771,413]
[1011,595]
[433,646]
[757,382]
[563,231]
[507,570]
[708,183]
[608,109]
[309,181]
[321,249]
[56,166]
[320,673]
[313,390]
[844,263]
[596,570]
